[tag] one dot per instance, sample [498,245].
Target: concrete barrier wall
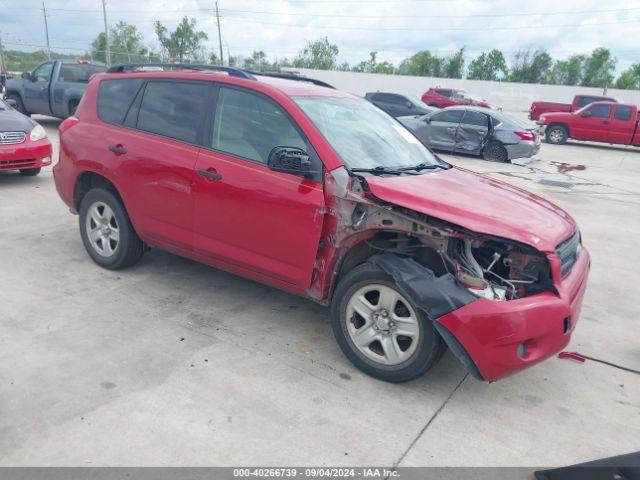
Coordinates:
[512,97]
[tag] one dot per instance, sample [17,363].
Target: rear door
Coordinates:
[593,123]
[443,128]
[623,124]
[153,148]
[472,132]
[36,91]
[260,222]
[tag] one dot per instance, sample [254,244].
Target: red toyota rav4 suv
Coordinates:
[320,193]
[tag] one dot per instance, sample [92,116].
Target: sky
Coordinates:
[394,28]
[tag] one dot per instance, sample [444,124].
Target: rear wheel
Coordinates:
[495,152]
[30,172]
[380,330]
[106,231]
[557,134]
[19,105]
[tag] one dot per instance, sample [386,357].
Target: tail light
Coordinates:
[67,124]
[525,136]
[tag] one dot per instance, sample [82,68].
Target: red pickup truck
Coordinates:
[579,101]
[597,122]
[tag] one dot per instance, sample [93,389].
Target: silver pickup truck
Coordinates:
[52,88]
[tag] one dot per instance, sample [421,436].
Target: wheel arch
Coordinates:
[88,180]
[560,124]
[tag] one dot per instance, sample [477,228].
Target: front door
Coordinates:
[265,223]
[442,129]
[36,91]
[593,123]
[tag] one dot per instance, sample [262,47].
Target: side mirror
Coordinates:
[586,114]
[11,102]
[290,160]
[409,105]
[427,119]
[26,76]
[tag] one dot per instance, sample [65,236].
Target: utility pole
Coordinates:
[106,32]
[2,66]
[219,34]
[46,29]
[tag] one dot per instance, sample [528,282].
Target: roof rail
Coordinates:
[291,76]
[132,67]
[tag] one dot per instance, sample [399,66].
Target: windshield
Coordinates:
[363,135]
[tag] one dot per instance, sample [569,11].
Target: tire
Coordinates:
[106,231]
[19,105]
[495,152]
[420,352]
[30,172]
[557,135]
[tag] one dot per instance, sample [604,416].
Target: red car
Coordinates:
[320,193]
[448,97]
[608,122]
[579,101]
[24,145]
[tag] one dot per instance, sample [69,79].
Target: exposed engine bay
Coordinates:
[488,267]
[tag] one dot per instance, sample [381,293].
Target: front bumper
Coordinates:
[25,155]
[502,338]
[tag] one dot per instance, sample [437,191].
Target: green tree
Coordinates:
[569,71]
[488,66]
[184,43]
[373,66]
[257,61]
[319,54]
[125,44]
[630,78]
[454,65]
[598,68]
[423,63]
[530,66]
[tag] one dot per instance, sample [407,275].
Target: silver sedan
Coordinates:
[491,134]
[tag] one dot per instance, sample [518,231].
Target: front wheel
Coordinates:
[495,152]
[106,231]
[380,330]
[557,134]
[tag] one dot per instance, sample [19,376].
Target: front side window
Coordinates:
[600,111]
[584,101]
[174,109]
[444,93]
[115,97]
[362,135]
[248,125]
[448,116]
[43,72]
[623,112]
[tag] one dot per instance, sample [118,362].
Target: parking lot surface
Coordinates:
[176,363]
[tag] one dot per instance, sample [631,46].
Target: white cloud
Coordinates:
[349,24]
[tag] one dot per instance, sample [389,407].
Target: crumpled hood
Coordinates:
[13,121]
[480,204]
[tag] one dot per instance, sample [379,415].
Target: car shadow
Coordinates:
[607,147]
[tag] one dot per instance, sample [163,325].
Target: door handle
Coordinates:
[606,122]
[117,149]
[210,174]
[451,129]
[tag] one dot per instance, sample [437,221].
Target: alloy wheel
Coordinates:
[102,229]
[382,324]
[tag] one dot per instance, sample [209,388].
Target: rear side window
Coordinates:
[600,111]
[388,98]
[623,112]
[115,97]
[249,126]
[174,109]
[475,118]
[79,73]
[449,116]
[444,93]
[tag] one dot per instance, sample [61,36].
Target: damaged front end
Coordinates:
[488,267]
[443,267]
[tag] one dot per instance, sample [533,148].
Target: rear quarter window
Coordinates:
[623,112]
[115,97]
